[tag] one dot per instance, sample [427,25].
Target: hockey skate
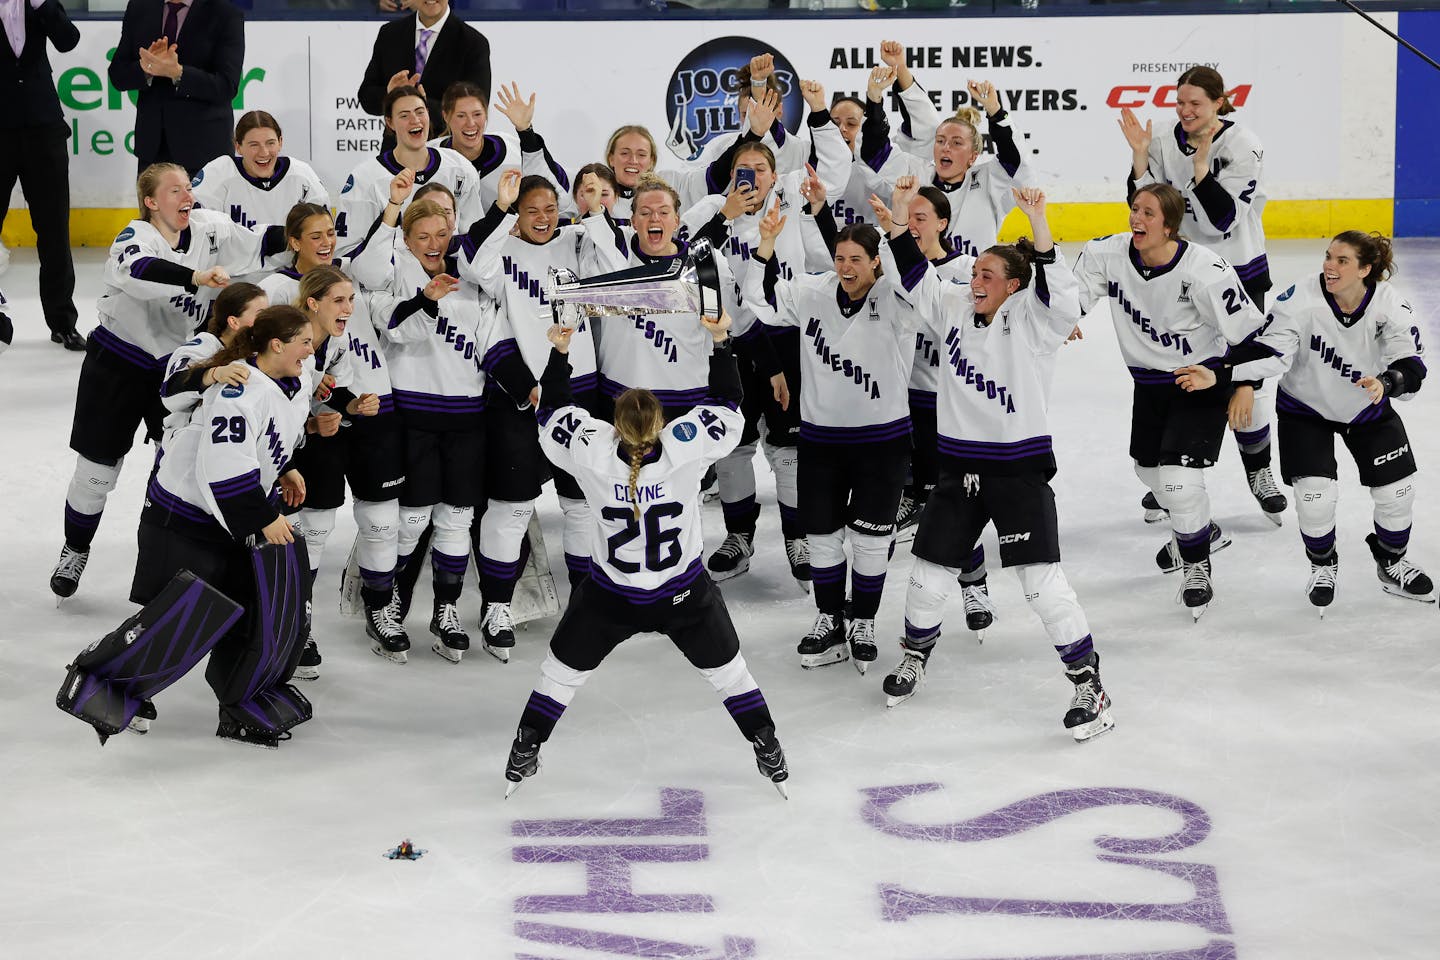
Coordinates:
[308,667]
[860,635]
[451,640]
[1154,513]
[770,759]
[1321,588]
[732,558]
[1267,494]
[497,631]
[907,518]
[1399,576]
[65,578]
[825,643]
[140,723]
[1196,591]
[524,759]
[1089,713]
[231,728]
[1168,559]
[902,682]
[979,611]
[797,553]
[386,631]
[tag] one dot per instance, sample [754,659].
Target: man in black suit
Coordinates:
[184,56]
[428,48]
[34,131]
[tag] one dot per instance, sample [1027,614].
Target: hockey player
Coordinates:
[466,118]
[857,346]
[367,191]
[186,376]
[153,275]
[1000,332]
[642,480]
[1218,167]
[213,492]
[1174,303]
[1343,345]
[260,184]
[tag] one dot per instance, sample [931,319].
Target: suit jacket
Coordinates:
[193,116]
[460,52]
[26,86]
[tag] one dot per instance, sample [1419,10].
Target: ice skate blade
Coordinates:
[511,786]
[891,702]
[860,665]
[1156,516]
[1395,591]
[836,654]
[1195,612]
[1276,518]
[139,725]
[980,636]
[306,673]
[394,656]
[1089,731]
[449,654]
[712,495]
[718,575]
[804,586]
[780,788]
[499,653]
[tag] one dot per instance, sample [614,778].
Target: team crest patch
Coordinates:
[198,178]
[232,390]
[349,184]
[1184,292]
[1287,294]
[685,431]
[125,234]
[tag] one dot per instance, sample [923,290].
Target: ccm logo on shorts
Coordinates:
[1014,538]
[1392,455]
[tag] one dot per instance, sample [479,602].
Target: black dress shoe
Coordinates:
[69,339]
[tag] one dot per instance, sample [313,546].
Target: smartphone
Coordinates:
[746,176]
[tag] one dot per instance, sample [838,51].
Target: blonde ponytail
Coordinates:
[639,418]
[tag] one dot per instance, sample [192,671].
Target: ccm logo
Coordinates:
[1392,455]
[1014,538]
[1139,96]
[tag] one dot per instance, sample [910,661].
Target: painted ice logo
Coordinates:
[685,431]
[703,98]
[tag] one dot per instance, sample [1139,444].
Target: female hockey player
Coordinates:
[1174,303]
[260,184]
[642,479]
[466,118]
[1343,345]
[1218,167]
[153,275]
[1000,333]
[856,348]
[186,378]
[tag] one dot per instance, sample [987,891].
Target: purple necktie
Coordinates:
[172,21]
[422,50]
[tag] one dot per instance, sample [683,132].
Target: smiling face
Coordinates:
[1195,108]
[410,119]
[989,285]
[467,120]
[316,243]
[248,315]
[848,117]
[954,151]
[259,149]
[655,220]
[429,10]
[444,201]
[1147,223]
[1344,274]
[630,158]
[331,310]
[926,225]
[290,355]
[764,173]
[429,239]
[169,206]
[539,212]
[855,268]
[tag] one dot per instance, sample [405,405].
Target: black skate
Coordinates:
[770,759]
[140,723]
[1267,494]
[524,758]
[497,631]
[1321,588]
[1089,713]
[384,627]
[1196,591]
[233,729]
[825,643]
[860,635]
[907,518]
[65,578]
[797,553]
[308,668]
[907,676]
[1168,559]
[1399,576]
[1154,513]
[451,640]
[732,558]
[979,611]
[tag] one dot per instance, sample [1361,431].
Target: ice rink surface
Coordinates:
[1269,790]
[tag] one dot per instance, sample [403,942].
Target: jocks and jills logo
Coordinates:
[703,98]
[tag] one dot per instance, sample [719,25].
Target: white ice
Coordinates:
[1310,745]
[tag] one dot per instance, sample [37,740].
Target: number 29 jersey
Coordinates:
[656,555]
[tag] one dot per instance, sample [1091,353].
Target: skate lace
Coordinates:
[72,564]
[824,623]
[797,552]
[387,618]
[1197,576]
[912,668]
[499,618]
[907,506]
[1322,575]
[1088,697]
[977,599]
[862,631]
[1263,485]
[734,547]
[1402,571]
[448,618]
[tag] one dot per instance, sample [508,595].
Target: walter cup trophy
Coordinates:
[688,284]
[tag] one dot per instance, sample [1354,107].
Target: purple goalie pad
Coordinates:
[249,672]
[147,653]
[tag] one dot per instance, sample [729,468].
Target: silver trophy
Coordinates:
[688,284]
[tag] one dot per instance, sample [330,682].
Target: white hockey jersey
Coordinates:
[181,402]
[1322,353]
[367,191]
[930,349]
[1187,311]
[504,150]
[918,122]
[148,308]
[657,555]
[223,185]
[1224,212]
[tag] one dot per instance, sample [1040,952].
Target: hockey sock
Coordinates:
[827,570]
[740,516]
[974,569]
[557,687]
[575,538]
[871,555]
[785,462]
[1182,492]
[1254,447]
[316,526]
[1315,499]
[377,551]
[742,697]
[502,535]
[450,550]
[925,602]
[85,501]
[1054,602]
[1394,508]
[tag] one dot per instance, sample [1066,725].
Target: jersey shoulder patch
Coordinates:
[232,390]
[349,184]
[199,177]
[125,234]
[684,431]
[1287,294]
